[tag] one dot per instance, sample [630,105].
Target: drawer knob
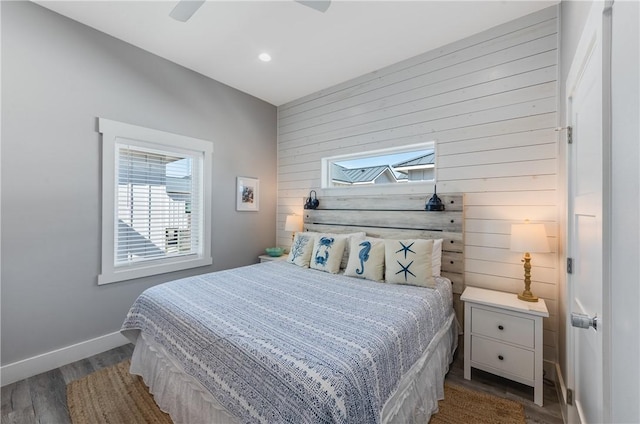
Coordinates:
[500,357]
[500,327]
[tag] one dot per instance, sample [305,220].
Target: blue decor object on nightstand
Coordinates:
[274,251]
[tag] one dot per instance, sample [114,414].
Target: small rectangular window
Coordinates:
[156,212]
[389,166]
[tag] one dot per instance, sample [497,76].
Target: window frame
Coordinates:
[326,163]
[113,134]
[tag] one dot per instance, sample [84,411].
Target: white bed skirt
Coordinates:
[188,402]
[417,395]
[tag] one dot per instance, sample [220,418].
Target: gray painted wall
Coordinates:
[57,77]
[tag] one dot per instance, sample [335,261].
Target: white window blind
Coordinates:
[159,208]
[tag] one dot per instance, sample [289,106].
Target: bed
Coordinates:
[276,342]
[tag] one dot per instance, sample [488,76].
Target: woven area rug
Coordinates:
[461,405]
[113,396]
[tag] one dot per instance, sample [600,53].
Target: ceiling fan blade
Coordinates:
[319,5]
[185,9]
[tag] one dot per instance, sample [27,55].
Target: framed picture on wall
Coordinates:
[247,194]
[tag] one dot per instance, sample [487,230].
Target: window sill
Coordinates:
[115,275]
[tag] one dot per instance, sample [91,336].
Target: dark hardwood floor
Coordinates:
[42,398]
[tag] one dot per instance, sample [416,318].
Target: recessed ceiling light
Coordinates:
[265,57]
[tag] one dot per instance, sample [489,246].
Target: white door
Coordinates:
[587,177]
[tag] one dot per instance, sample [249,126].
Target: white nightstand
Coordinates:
[503,336]
[267,258]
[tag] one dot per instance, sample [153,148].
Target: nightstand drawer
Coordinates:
[503,357]
[504,327]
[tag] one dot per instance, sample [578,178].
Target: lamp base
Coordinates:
[527,296]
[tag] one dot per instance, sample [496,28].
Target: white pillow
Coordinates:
[436,257]
[366,259]
[409,262]
[301,248]
[327,252]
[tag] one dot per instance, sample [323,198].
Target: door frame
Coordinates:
[599,15]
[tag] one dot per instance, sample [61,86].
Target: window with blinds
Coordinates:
[159,209]
[156,204]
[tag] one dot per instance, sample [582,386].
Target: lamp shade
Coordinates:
[293,223]
[529,238]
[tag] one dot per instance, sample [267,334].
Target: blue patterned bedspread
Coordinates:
[275,343]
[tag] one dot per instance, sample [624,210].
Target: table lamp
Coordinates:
[527,238]
[293,223]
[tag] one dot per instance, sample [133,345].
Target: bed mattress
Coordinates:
[274,342]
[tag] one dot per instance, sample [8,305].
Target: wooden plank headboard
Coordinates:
[395,217]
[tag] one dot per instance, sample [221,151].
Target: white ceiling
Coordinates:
[310,50]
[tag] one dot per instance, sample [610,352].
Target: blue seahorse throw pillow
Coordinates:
[301,248]
[327,252]
[366,259]
[409,262]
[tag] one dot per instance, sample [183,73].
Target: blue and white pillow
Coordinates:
[409,262]
[301,248]
[366,259]
[327,252]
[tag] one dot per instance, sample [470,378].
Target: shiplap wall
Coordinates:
[489,102]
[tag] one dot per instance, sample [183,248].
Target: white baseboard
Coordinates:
[29,367]
[562,387]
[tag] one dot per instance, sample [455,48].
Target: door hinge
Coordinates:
[569,265]
[569,133]
[569,397]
